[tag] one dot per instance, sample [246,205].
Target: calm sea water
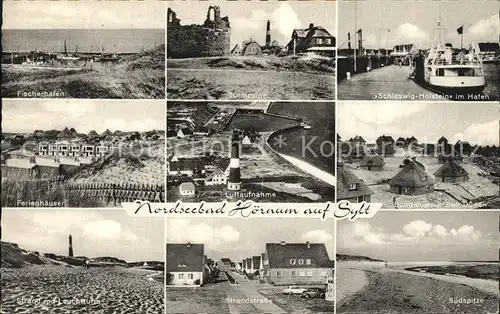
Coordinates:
[83,40]
[315,146]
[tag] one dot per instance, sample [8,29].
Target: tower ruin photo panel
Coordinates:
[264,50]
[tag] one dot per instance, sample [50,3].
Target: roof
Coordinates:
[184,257]
[187,186]
[256,261]
[412,175]
[225,260]
[344,179]
[442,139]
[106,133]
[66,133]
[385,138]
[246,44]
[185,131]
[93,133]
[279,255]
[235,47]
[451,169]
[23,163]
[187,164]
[357,138]
[216,172]
[370,160]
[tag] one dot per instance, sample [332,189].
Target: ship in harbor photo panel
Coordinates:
[263,50]
[82,153]
[419,155]
[419,50]
[57,260]
[418,262]
[228,267]
[261,151]
[83,49]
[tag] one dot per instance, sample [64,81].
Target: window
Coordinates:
[309,273]
[190,276]
[294,273]
[361,199]
[319,41]
[301,262]
[293,261]
[279,273]
[181,276]
[353,186]
[302,273]
[308,261]
[328,41]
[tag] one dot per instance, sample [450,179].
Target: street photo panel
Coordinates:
[419,155]
[82,153]
[81,261]
[274,152]
[83,49]
[251,50]
[419,50]
[223,266]
[418,262]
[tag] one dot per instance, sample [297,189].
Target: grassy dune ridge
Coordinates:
[141,76]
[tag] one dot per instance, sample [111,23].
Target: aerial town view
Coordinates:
[251,50]
[223,266]
[429,155]
[419,50]
[83,50]
[261,151]
[58,153]
[81,261]
[455,270]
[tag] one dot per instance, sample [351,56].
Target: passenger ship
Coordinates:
[454,71]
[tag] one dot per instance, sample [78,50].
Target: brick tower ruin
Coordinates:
[211,39]
[70,249]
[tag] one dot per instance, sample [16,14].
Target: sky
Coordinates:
[82,14]
[248,18]
[25,116]
[476,123]
[422,236]
[242,238]
[95,233]
[415,22]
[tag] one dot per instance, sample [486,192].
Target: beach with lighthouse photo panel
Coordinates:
[419,50]
[263,50]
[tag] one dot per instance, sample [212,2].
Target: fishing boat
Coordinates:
[454,71]
[66,56]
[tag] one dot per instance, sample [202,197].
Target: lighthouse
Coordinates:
[70,249]
[268,34]
[234,182]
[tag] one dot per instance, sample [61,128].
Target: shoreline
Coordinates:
[367,286]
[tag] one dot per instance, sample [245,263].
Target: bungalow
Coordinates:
[452,172]
[187,189]
[351,188]
[412,179]
[372,163]
[185,264]
[297,264]
[385,146]
[101,151]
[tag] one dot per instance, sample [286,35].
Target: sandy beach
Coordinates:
[64,289]
[368,287]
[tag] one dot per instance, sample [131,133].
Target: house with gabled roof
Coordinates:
[385,145]
[255,264]
[311,39]
[225,263]
[236,51]
[350,187]
[412,179]
[297,264]
[186,264]
[249,265]
[216,177]
[452,172]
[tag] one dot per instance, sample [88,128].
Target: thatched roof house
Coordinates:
[66,134]
[451,171]
[372,163]
[93,133]
[351,188]
[412,179]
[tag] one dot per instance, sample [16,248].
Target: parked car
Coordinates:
[313,293]
[293,290]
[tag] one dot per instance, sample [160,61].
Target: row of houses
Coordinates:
[73,149]
[281,264]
